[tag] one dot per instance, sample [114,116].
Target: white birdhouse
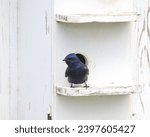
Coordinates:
[110,36]
[105,34]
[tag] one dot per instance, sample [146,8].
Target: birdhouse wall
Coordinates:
[93,6]
[108,48]
[111,53]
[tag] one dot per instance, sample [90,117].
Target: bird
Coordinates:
[77,72]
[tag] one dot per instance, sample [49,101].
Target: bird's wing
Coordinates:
[86,69]
[66,73]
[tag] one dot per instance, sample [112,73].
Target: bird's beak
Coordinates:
[66,60]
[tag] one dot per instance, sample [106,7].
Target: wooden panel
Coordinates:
[144,58]
[34,58]
[93,6]
[140,103]
[25,59]
[103,17]
[8,59]
[98,91]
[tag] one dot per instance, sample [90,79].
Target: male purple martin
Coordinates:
[77,72]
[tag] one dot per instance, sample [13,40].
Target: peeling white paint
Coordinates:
[98,91]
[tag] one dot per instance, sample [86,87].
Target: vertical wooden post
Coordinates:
[141,107]
[34,58]
[8,59]
[144,58]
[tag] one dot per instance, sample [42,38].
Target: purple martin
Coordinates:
[77,72]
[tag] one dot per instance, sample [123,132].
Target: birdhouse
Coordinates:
[104,35]
[110,42]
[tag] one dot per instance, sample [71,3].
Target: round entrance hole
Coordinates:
[82,58]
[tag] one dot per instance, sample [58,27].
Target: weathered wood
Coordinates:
[98,91]
[8,59]
[101,17]
[140,107]
[144,58]
[34,58]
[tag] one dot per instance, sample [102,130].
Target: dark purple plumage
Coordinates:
[77,72]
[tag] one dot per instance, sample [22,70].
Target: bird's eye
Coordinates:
[69,58]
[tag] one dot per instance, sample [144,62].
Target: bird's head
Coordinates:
[72,60]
